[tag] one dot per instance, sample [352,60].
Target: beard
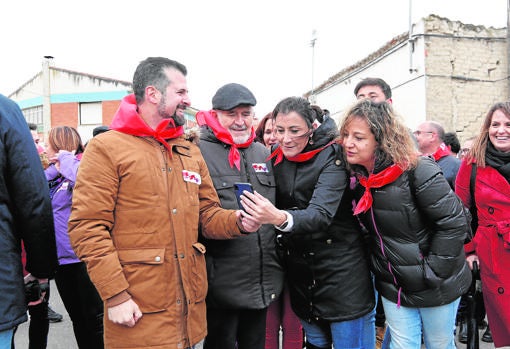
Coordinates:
[162,111]
[240,139]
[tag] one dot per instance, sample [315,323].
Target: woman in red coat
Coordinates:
[490,246]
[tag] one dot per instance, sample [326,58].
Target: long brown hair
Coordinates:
[65,138]
[477,152]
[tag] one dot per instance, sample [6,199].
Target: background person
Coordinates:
[490,246]
[430,138]
[25,217]
[452,143]
[418,263]
[324,253]
[265,131]
[80,297]
[142,192]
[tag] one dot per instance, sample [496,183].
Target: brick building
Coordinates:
[57,97]
[444,70]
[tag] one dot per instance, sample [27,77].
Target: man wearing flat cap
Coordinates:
[244,274]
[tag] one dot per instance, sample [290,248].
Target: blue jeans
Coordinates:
[406,324]
[199,345]
[6,338]
[355,334]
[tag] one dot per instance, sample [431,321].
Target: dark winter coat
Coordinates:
[25,214]
[449,166]
[417,229]
[325,259]
[243,273]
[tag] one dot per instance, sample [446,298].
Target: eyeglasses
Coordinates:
[417,133]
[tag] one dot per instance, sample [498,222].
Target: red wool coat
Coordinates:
[491,243]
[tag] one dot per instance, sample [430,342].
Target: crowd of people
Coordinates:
[357,234]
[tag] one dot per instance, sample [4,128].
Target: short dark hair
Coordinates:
[32,126]
[151,71]
[374,82]
[302,107]
[450,138]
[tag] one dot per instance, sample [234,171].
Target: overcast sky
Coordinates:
[263,44]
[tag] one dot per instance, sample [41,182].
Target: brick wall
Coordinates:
[109,109]
[64,114]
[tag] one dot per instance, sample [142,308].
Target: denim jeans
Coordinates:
[356,334]
[6,338]
[406,326]
[199,345]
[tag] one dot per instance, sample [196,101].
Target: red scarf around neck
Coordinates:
[127,120]
[302,157]
[441,152]
[384,177]
[210,118]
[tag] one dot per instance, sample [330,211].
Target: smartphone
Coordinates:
[239,188]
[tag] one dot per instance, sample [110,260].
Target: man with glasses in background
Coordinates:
[430,138]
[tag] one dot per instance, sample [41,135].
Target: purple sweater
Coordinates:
[61,194]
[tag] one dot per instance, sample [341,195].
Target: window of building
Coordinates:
[91,113]
[34,115]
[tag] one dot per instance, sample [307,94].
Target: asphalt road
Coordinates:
[61,334]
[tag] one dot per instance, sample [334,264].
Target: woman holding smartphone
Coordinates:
[324,254]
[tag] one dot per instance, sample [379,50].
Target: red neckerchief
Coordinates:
[127,120]
[210,118]
[384,177]
[441,152]
[302,157]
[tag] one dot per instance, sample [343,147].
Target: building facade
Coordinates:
[440,70]
[61,97]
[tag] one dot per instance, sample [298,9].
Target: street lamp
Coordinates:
[312,44]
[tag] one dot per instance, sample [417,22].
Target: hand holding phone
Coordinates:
[239,188]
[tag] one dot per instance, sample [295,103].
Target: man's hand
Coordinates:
[126,314]
[246,223]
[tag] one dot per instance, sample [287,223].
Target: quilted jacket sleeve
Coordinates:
[445,216]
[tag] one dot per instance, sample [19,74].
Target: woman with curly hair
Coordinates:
[416,227]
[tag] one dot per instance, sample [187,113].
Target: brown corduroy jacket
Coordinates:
[134,222]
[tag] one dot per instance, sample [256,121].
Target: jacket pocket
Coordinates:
[148,279]
[431,279]
[199,272]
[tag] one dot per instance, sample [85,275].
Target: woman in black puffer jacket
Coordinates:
[416,223]
[324,252]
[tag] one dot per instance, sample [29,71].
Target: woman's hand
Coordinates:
[472,258]
[261,209]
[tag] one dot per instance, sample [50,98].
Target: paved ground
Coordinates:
[61,334]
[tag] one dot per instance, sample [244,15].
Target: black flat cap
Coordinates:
[232,95]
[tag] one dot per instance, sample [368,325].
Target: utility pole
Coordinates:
[312,44]
[46,92]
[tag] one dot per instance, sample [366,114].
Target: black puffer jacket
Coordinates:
[417,226]
[325,258]
[25,215]
[245,272]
